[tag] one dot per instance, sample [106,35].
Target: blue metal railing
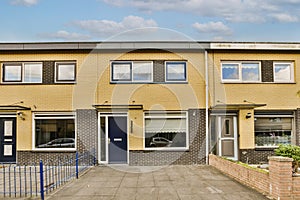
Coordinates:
[40,179]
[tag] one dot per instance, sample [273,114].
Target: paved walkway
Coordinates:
[142,183]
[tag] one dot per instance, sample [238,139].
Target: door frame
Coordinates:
[235,132]
[106,115]
[12,116]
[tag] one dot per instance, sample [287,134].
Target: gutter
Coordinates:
[206,107]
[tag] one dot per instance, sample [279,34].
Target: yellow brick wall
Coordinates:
[246,129]
[272,94]
[277,96]
[180,96]
[38,97]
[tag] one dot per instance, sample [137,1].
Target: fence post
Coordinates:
[94,156]
[77,165]
[42,180]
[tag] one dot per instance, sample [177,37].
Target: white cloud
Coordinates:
[65,35]
[215,28]
[24,2]
[253,11]
[282,17]
[108,27]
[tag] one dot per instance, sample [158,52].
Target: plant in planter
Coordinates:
[290,151]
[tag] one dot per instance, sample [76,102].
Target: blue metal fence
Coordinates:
[40,179]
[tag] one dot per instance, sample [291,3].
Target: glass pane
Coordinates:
[8,128]
[272,131]
[142,71]
[176,71]
[282,72]
[12,73]
[33,72]
[165,132]
[66,72]
[121,71]
[54,133]
[103,139]
[230,72]
[250,72]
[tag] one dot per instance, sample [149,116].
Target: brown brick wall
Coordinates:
[195,154]
[278,183]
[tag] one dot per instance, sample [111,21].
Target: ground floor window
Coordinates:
[54,131]
[166,130]
[273,129]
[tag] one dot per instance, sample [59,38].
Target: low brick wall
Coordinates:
[246,175]
[278,183]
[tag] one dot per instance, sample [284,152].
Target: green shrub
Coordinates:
[290,151]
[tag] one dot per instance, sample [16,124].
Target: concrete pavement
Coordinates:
[173,182]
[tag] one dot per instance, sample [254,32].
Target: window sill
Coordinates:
[166,149]
[55,150]
[225,82]
[265,148]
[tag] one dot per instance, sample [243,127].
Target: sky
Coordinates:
[143,20]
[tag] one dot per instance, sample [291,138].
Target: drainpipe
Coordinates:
[206,106]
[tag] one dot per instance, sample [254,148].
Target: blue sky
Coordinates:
[101,20]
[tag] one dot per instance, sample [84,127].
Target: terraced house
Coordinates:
[147,103]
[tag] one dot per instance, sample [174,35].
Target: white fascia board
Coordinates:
[254,46]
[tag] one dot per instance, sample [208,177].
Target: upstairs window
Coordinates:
[65,72]
[22,72]
[127,71]
[241,72]
[176,71]
[283,72]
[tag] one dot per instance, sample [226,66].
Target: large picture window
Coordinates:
[272,130]
[22,72]
[241,71]
[166,130]
[136,71]
[65,72]
[54,131]
[283,71]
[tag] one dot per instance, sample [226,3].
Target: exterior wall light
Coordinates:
[248,115]
[21,115]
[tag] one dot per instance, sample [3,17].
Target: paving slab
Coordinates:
[182,182]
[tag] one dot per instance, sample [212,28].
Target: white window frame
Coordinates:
[57,80]
[240,75]
[131,65]
[292,79]
[67,115]
[176,80]
[22,68]
[164,115]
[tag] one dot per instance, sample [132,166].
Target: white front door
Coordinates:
[227,136]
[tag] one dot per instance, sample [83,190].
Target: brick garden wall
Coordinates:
[278,183]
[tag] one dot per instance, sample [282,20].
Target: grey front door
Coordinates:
[117,139]
[7,140]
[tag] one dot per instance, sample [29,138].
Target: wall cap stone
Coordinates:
[280,159]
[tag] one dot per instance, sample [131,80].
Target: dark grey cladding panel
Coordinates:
[267,71]
[87,133]
[48,72]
